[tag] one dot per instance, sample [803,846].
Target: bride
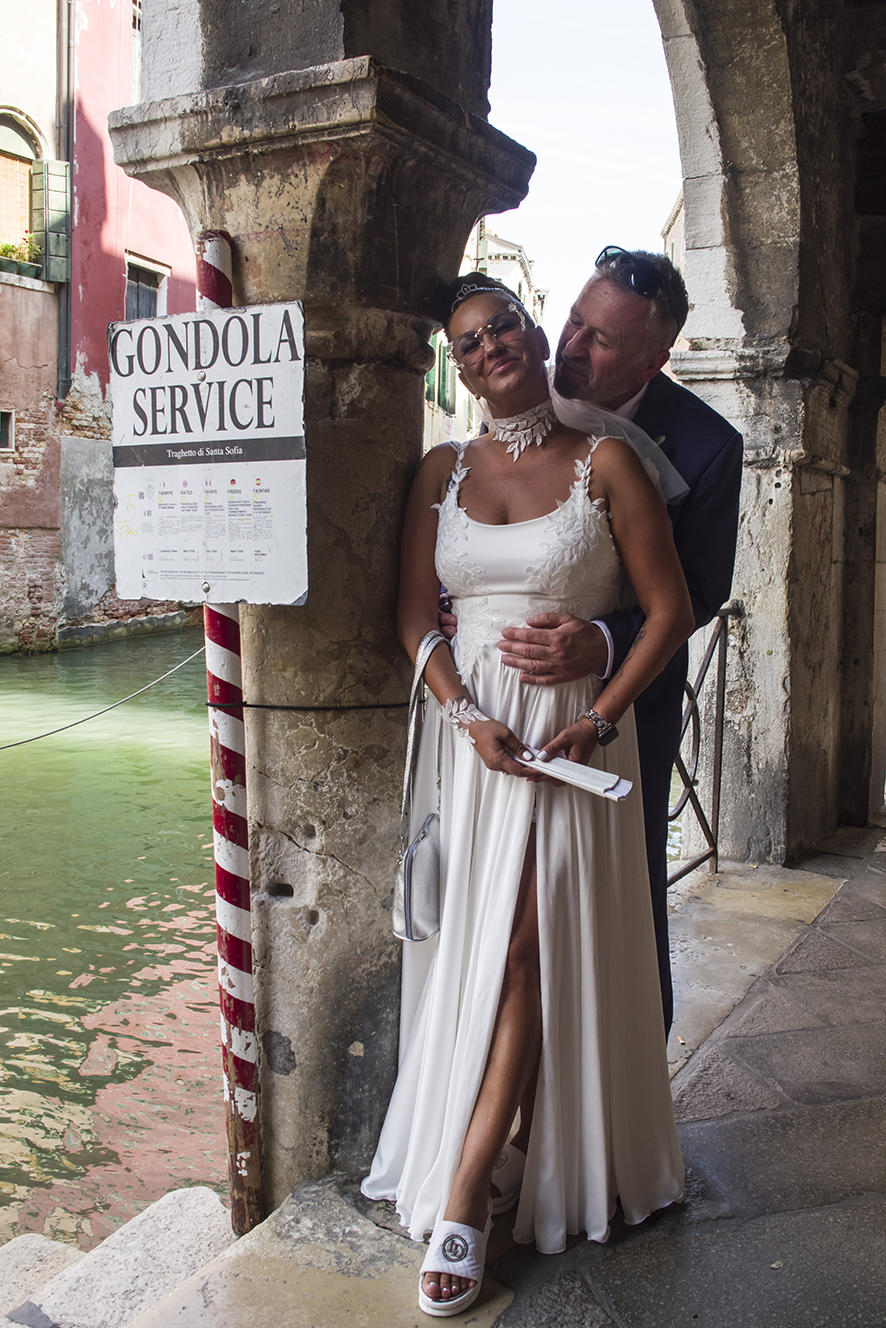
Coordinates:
[542,994]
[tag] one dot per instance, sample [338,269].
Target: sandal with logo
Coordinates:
[461,1251]
[507,1177]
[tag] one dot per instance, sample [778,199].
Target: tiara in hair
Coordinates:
[473,289]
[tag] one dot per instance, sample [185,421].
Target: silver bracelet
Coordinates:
[461,714]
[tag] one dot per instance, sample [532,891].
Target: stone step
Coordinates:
[317,1262]
[28,1263]
[134,1268]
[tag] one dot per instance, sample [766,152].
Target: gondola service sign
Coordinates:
[209,456]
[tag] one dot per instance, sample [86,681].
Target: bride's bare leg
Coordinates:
[512,1063]
[527,1106]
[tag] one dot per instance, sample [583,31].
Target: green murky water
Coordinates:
[110,1090]
[110,1079]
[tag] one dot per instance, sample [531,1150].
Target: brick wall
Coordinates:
[31,588]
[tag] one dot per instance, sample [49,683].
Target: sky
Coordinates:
[584,85]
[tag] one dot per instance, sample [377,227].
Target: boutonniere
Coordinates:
[659,440]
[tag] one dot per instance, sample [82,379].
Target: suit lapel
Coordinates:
[655,416]
[655,411]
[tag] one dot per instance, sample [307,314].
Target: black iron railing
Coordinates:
[709,822]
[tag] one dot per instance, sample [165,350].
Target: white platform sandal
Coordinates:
[460,1250]
[507,1177]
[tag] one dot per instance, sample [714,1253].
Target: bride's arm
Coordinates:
[643,536]
[417,610]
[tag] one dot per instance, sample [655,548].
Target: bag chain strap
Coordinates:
[427,647]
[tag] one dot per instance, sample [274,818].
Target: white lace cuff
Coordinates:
[461,714]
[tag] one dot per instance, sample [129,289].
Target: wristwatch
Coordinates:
[606,730]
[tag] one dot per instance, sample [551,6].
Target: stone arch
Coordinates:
[735,150]
[780,342]
[27,127]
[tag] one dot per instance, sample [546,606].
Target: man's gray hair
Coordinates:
[671,302]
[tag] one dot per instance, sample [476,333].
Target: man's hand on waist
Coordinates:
[554,647]
[446,619]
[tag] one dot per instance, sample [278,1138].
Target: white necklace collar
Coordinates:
[531,426]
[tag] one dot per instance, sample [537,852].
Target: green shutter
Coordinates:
[431,375]
[51,217]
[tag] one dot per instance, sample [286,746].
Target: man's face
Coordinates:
[610,346]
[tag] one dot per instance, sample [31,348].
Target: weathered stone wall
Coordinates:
[31,583]
[207,45]
[767,136]
[56,500]
[351,186]
[87,522]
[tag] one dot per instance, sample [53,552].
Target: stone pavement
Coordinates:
[783,1126]
[780,1088]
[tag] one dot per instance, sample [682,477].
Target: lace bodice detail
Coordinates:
[500,575]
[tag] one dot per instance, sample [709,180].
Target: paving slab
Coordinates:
[780,1004]
[791,1158]
[871,883]
[715,1085]
[28,1262]
[815,951]
[567,1301]
[867,938]
[857,901]
[315,1263]
[856,841]
[817,1269]
[819,1064]
[135,1267]
[726,931]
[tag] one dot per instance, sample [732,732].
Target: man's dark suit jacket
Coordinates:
[707,451]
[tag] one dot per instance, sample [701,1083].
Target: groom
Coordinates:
[616,341]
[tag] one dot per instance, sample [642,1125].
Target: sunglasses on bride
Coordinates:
[467,348]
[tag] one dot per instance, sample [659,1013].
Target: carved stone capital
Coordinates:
[729,362]
[345,182]
[347,333]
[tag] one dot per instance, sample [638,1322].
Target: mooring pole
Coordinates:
[224,687]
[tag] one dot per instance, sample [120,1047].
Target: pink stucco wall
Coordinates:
[112,213]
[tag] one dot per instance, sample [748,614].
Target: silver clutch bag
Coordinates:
[417,892]
[416,909]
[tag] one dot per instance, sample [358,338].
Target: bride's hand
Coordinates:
[576,743]
[495,742]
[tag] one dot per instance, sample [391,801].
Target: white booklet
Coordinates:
[601,782]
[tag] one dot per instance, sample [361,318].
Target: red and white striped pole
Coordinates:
[224,687]
[214,271]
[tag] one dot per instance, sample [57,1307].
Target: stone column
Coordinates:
[765,131]
[351,187]
[782,742]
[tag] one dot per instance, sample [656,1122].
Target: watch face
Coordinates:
[607,735]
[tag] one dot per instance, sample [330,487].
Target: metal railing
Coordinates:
[709,823]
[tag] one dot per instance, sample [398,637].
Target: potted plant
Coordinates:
[28,252]
[8,260]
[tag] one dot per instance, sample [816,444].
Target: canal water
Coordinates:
[110,1076]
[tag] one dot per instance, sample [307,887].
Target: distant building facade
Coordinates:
[450,410]
[673,235]
[103,247]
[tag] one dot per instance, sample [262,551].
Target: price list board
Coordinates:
[210,499]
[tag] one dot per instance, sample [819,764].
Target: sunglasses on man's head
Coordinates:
[645,279]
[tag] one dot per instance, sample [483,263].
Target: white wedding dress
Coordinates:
[603,1127]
